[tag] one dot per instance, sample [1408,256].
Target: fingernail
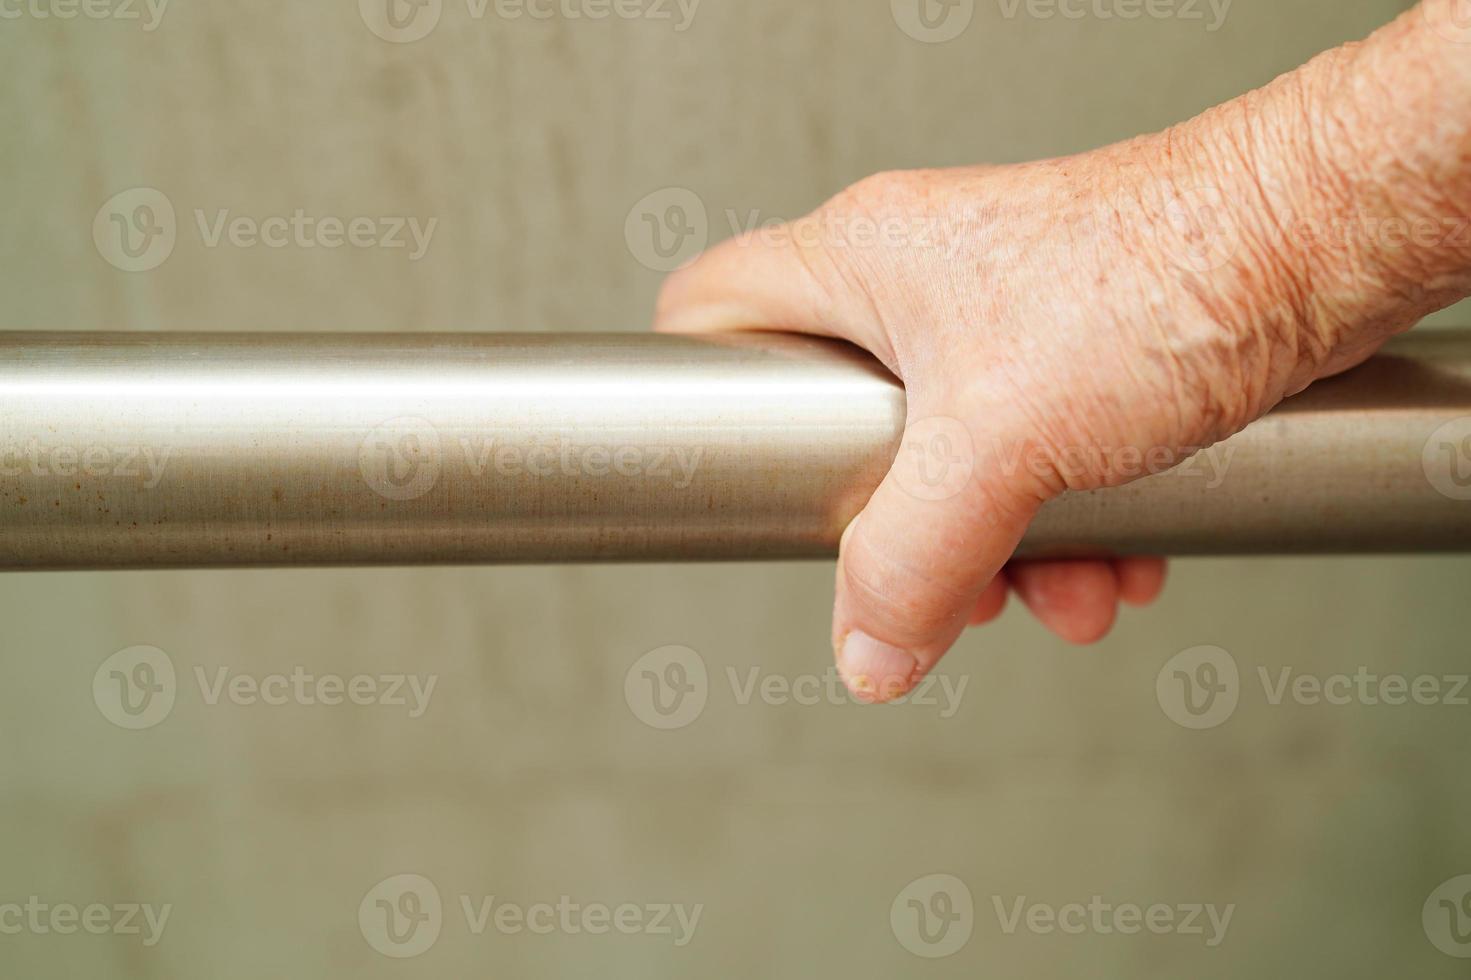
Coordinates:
[875,671]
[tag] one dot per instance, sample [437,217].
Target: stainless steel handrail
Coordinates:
[126,450]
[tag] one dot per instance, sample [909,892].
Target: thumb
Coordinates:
[778,278]
[913,564]
[943,522]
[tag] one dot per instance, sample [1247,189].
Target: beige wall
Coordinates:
[529,777]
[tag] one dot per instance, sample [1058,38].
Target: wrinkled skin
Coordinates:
[1144,300]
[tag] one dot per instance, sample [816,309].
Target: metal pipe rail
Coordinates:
[129,450]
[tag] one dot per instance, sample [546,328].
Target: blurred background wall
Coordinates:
[812,836]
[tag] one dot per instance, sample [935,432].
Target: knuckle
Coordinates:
[675,290]
[884,192]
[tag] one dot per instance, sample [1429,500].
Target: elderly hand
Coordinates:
[1057,322]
